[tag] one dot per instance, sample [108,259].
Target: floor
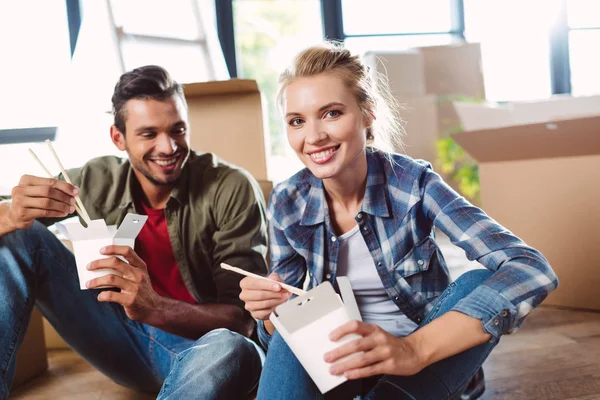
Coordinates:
[555,356]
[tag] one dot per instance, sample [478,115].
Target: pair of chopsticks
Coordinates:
[287,287]
[79,206]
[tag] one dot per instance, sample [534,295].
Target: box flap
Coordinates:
[348,298]
[567,138]
[478,116]
[97,229]
[220,87]
[131,226]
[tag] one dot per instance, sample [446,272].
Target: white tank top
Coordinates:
[356,263]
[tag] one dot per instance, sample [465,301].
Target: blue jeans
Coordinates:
[37,269]
[284,377]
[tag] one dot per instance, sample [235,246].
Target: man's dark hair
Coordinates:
[148,82]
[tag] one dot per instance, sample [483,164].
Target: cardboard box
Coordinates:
[404,70]
[443,73]
[228,118]
[420,115]
[87,242]
[305,323]
[475,116]
[32,358]
[266,187]
[453,69]
[540,181]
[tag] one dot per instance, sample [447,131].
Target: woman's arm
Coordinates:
[522,276]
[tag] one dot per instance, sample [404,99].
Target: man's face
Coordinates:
[156,138]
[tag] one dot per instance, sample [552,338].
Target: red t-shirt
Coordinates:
[153,245]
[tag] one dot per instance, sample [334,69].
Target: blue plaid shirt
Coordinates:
[404,201]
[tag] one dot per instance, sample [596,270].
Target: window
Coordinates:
[268,34]
[178,35]
[396,17]
[36,59]
[49,89]
[584,24]
[514,37]
[396,24]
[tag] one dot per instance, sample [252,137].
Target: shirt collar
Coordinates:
[376,194]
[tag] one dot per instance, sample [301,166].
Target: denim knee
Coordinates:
[474,277]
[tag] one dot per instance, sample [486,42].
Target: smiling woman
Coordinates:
[371,215]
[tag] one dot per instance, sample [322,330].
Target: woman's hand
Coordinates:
[382,353]
[261,296]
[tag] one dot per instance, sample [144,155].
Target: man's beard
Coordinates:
[144,168]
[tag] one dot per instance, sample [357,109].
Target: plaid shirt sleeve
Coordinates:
[285,261]
[523,276]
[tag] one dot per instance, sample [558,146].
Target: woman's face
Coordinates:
[325,124]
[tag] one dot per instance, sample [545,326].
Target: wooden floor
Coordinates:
[555,356]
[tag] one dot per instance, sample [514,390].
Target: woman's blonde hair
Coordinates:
[370,88]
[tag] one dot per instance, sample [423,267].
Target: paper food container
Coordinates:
[87,242]
[305,323]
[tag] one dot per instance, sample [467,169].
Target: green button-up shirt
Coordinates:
[215,214]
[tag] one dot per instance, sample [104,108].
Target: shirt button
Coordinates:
[366,229]
[359,216]
[328,276]
[421,262]
[333,238]
[419,320]
[504,313]
[396,298]
[379,263]
[496,322]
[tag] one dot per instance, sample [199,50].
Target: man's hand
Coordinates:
[382,353]
[137,296]
[37,197]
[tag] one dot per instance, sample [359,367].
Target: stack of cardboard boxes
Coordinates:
[425,81]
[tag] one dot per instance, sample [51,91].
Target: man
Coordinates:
[174,321]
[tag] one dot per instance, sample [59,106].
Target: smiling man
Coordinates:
[173,322]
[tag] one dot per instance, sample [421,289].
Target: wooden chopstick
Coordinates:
[287,287]
[85,214]
[49,174]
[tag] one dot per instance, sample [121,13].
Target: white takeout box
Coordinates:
[87,242]
[306,321]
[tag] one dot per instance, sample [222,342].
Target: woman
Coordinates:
[359,211]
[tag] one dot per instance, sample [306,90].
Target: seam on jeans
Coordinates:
[152,363]
[20,332]
[438,304]
[12,349]
[141,331]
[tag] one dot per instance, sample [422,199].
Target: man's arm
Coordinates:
[194,320]
[240,238]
